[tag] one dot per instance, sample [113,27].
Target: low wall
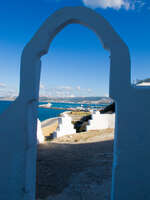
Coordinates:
[40,136]
[65,126]
[101,121]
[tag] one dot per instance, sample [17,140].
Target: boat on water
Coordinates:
[48,105]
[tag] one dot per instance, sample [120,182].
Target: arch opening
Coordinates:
[52,60]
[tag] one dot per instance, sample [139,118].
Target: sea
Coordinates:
[45,113]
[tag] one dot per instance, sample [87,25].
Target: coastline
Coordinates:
[51,121]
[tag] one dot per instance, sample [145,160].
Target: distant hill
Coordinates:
[144,82]
[80,100]
[147,80]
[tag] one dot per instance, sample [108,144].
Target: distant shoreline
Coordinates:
[7,99]
[75,100]
[63,102]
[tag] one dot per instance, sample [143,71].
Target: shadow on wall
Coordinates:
[109,109]
[81,125]
[60,166]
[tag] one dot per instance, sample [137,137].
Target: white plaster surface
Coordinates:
[65,126]
[40,136]
[101,121]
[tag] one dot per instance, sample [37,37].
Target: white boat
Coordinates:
[48,105]
[80,108]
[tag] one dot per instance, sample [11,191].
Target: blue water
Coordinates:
[44,113]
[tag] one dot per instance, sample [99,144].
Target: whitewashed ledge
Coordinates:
[101,121]
[49,122]
[65,126]
[40,136]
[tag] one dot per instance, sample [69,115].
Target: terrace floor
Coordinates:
[76,167]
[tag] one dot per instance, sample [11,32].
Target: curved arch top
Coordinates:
[39,45]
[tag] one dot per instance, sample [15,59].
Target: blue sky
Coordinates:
[76,64]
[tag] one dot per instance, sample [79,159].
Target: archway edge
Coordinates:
[39,45]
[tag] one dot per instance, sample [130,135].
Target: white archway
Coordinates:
[22,114]
[39,45]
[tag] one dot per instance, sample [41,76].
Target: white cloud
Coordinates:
[7,90]
[59,91]
[66,88]
[63,94]
[78,88]
[106,95]
[140,3]
[42,86]
[8,93]
[89,90]
[65,91]
[2,85]
[115,4]
[70,95]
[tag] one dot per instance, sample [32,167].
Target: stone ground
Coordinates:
[76,167]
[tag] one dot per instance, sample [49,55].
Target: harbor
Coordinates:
[72,107]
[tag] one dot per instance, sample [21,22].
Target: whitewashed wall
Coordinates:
[65,126]
[40,136]
[101,121]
